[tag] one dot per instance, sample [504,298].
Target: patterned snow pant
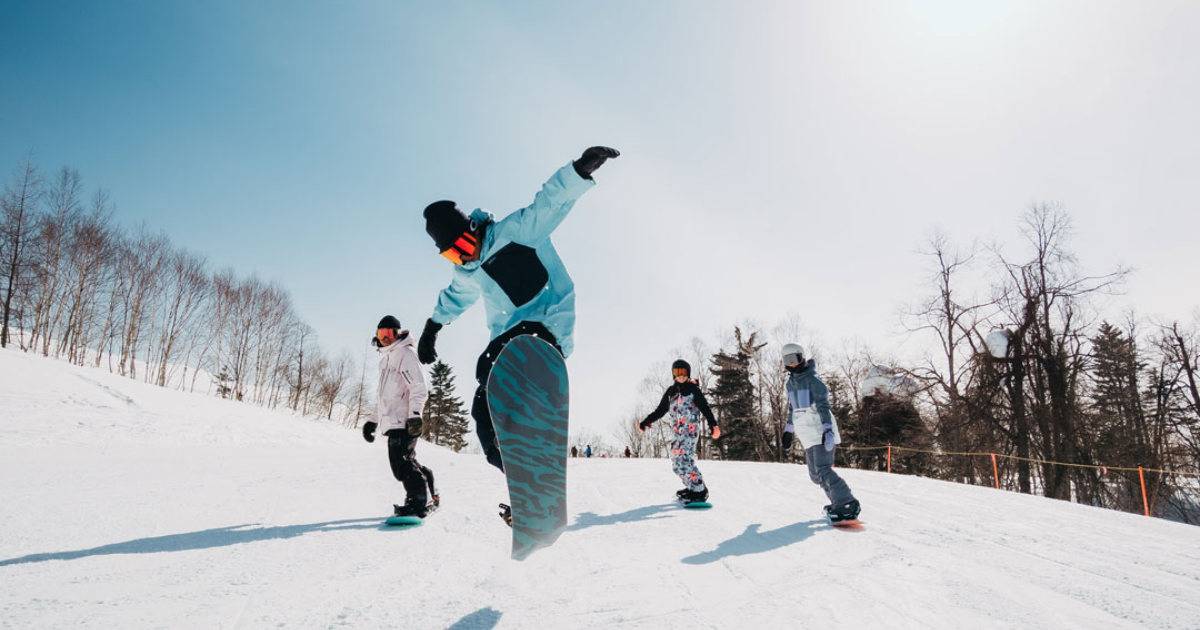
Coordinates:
[683,453]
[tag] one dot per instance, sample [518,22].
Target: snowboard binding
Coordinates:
[843,515]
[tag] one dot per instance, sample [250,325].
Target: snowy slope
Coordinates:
[125,505]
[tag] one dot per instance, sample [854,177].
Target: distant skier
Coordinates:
[401,397]
[685,403]
[574,451]
[815,427]
[587,452]
[513,264]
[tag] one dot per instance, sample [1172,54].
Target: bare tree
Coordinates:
[18,215]
[187,288]
[142,262]
[63,199]
[333,385]
[1052,297]
[88,253]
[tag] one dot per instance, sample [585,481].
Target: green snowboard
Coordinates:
[403,521]
[528,399]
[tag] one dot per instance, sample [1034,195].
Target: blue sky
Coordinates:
[777,157]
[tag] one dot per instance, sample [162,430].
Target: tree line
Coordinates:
[1024,365]
[76,285]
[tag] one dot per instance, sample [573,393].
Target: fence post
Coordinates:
[995,471]
[1145,503]
[889,458]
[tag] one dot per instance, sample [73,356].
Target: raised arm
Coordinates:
[558,195]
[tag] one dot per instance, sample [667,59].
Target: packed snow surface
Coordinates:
[124,505]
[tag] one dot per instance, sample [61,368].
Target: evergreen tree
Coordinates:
[742,437]
[224,382]
[445,414]
[1122,433]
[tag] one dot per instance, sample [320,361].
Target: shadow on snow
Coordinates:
[482,619]
[753,541]
[647,513]
[203,539]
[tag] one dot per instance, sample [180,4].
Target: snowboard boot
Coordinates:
[845,512]
[694,496]
[506,514]
[679,494]
[412,507]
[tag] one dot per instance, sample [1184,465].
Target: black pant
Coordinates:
[402,455]
[479,407]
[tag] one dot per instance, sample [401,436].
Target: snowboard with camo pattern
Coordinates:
[527,394]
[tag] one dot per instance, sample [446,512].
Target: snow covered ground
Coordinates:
[125,505]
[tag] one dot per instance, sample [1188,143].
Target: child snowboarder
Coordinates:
[815,427]
[398,411]
[514,266]
[685,402]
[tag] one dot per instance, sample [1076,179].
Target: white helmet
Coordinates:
[793,354]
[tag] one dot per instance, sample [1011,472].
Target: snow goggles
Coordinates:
[383,336]
[677,372]
[793,358]
[464,246]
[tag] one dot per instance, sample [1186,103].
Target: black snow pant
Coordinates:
[483,368]
[402,455]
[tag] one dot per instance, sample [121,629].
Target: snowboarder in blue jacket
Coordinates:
[811,422]
[685,403]
[512,263]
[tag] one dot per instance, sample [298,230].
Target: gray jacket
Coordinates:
[808,407]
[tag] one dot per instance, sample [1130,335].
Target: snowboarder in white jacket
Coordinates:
[401,399]
[811,421]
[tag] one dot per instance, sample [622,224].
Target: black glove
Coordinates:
[426,352]
[369,431]
[644,424]
[414,425]
[591,160]
[788,436]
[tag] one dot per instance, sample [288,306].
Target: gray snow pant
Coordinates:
[820,470]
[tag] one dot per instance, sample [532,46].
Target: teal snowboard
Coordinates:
[528,399]
[404,521]
[697,505]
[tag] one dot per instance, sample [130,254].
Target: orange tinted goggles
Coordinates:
[677,372]
[464,246]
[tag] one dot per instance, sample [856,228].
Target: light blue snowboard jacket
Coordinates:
[518,271]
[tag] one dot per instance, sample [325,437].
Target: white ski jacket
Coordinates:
[401,393]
